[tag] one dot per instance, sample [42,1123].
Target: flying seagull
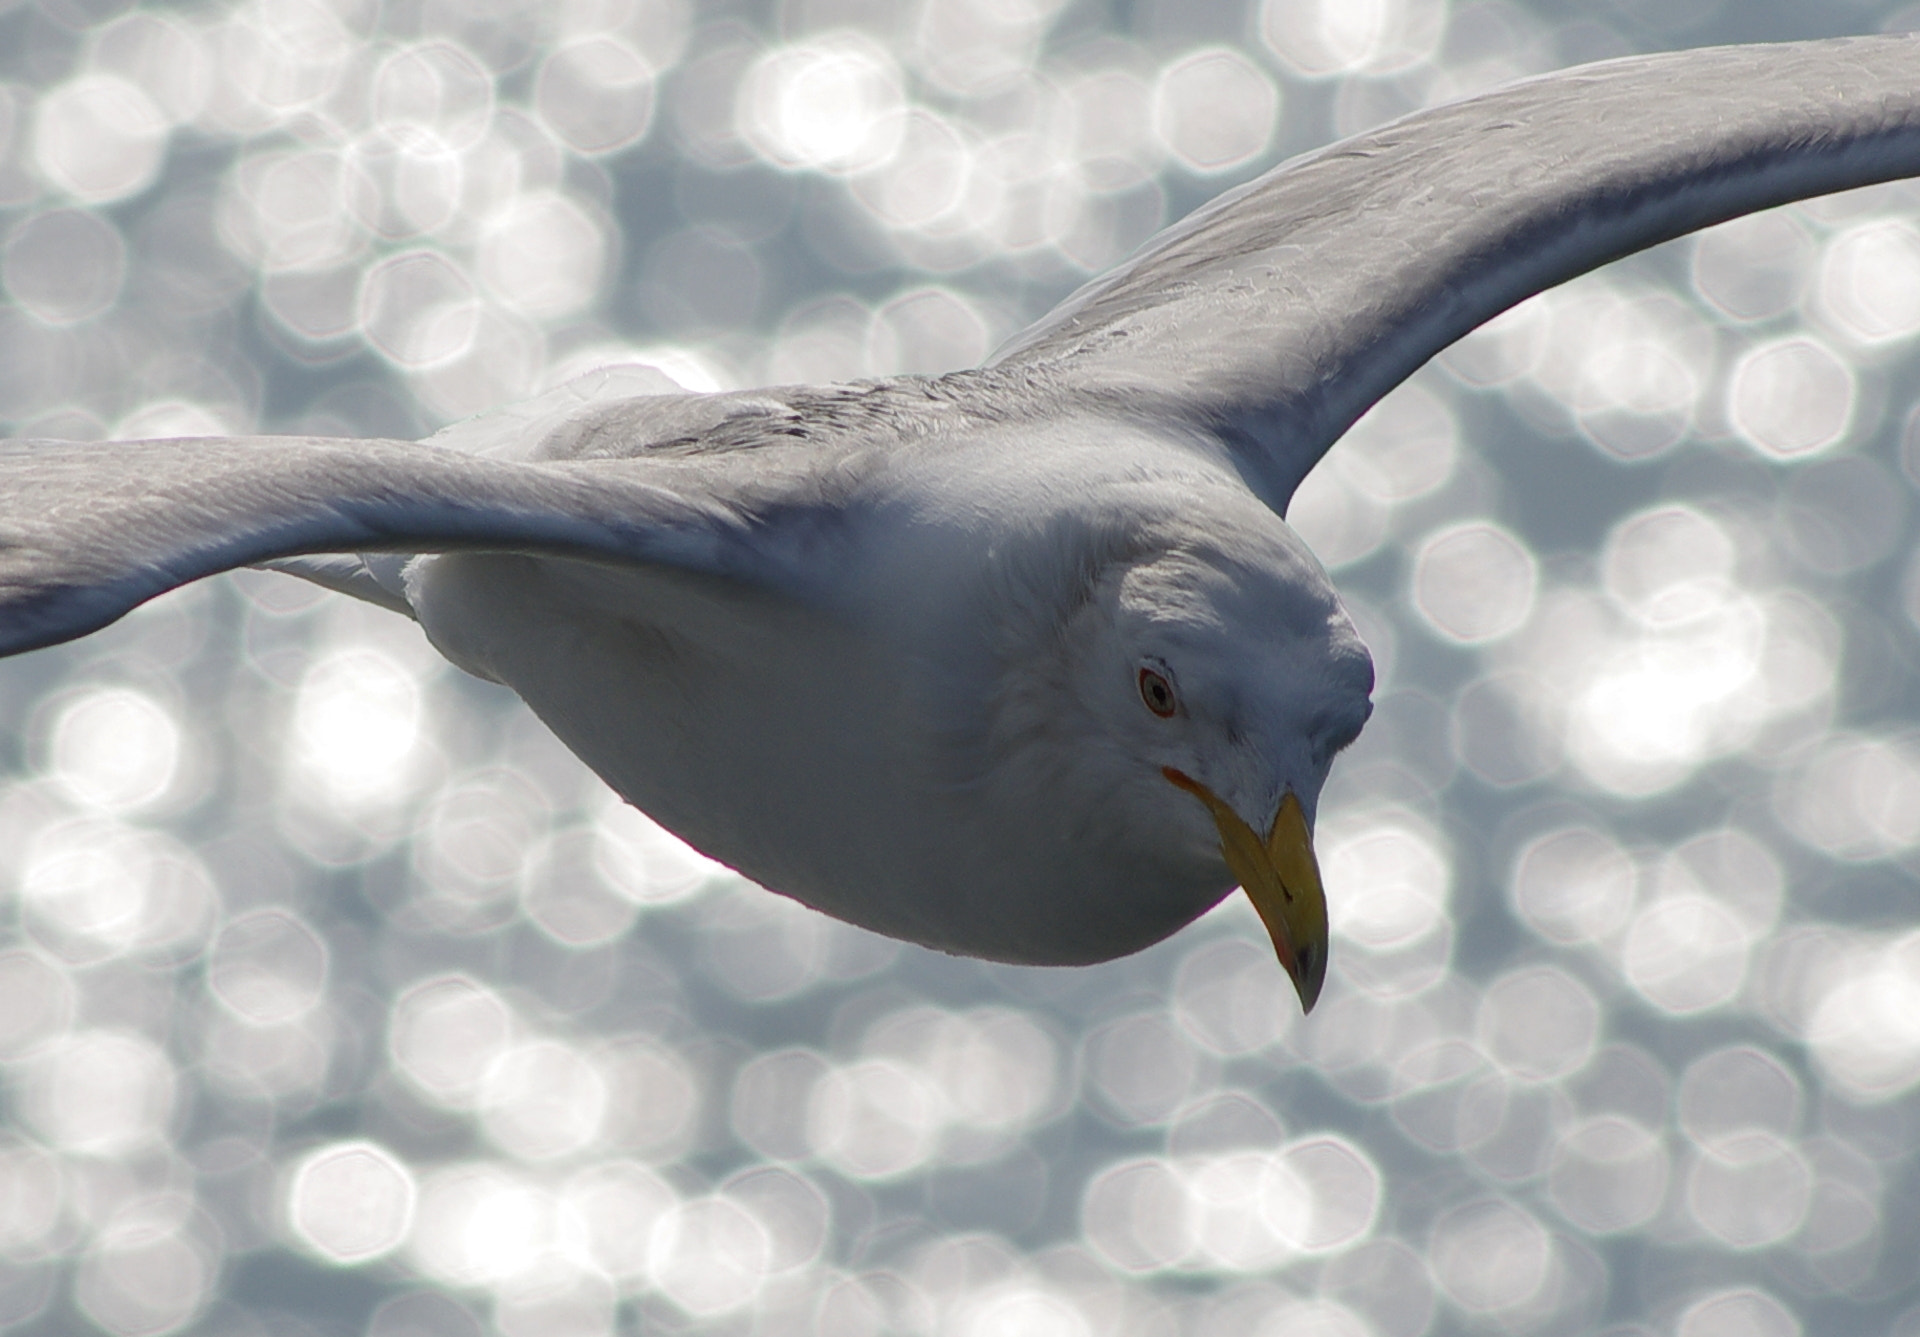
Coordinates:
[1022,661]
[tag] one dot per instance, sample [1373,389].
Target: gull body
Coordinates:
[925,744]
[1022,661]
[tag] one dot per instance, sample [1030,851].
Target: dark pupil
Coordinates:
[1158,695]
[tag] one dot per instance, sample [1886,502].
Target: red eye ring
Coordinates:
[1157,694]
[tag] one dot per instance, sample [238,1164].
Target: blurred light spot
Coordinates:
[99,138]
[1134,1215]
[823,341]
[64,266]
[356,727]
[476,1225]
[1844,514]
[32,1195]
[1141,1067]
[1214,109]
[163,56]
[1609,1175]
[502,361]
[556,1299]
[763,948]
[1790,398]
[1639,375]
[1869,282]
[710,1256]
[925,182]
[835,104]
[160,419]
[1507,347]
[100,1093]
[976,50]
[1734,868]
[596,95]
[1668,564]
[995,1070]
[418,309]
[405,185]
[1392,876]
[1652,711]
[1245,1210]
[653,1097]
[474,845]
[1753,268]
[1109,121]
[268,967]
[1346,1191]
[1490,1256]
[1738,1313]
[1628,365]
[643,861]
[445,1034]
[1229,998]
[619,1204]
[1497,731]
[1539,1023]
[1027,1311]
[94,889]
[1384,1281]
[286,211]
[874,1119]
[543,256]
[927,332]
[1686,953]
[1855,798]
[434,91]
[1737,1090]
[114,749]
[37,1001]
[1404,447]
[1315,38]
[561,892]
[1474,583]
[1864,1024]
[249,1061]
[543,1100]
[796,1215]
[1749,1190]
[351,1202]
[768,1107]
[144,1277]
[1338,521]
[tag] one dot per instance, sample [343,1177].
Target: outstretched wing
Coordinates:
[1279,313]
[90,529]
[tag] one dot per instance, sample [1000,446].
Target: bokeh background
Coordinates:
[336,998]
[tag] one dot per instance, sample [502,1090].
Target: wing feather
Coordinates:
[88,530]
[1276,315]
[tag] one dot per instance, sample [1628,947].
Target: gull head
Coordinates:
[1200,688]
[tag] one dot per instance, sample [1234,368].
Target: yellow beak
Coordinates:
[1282,879]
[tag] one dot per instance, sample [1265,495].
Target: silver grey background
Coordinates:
[339,999]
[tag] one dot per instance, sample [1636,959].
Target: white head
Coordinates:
[1196,690]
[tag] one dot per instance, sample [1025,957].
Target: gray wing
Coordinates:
[89,530]
[1279,313]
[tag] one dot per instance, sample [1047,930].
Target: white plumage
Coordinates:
[1022,661]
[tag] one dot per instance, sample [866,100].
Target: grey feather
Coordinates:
[1266,322]
[1276,315]
[374,578]
[90,529]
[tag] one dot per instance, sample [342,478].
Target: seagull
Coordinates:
[1023,661]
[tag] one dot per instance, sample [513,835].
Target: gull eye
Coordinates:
[1157,692]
